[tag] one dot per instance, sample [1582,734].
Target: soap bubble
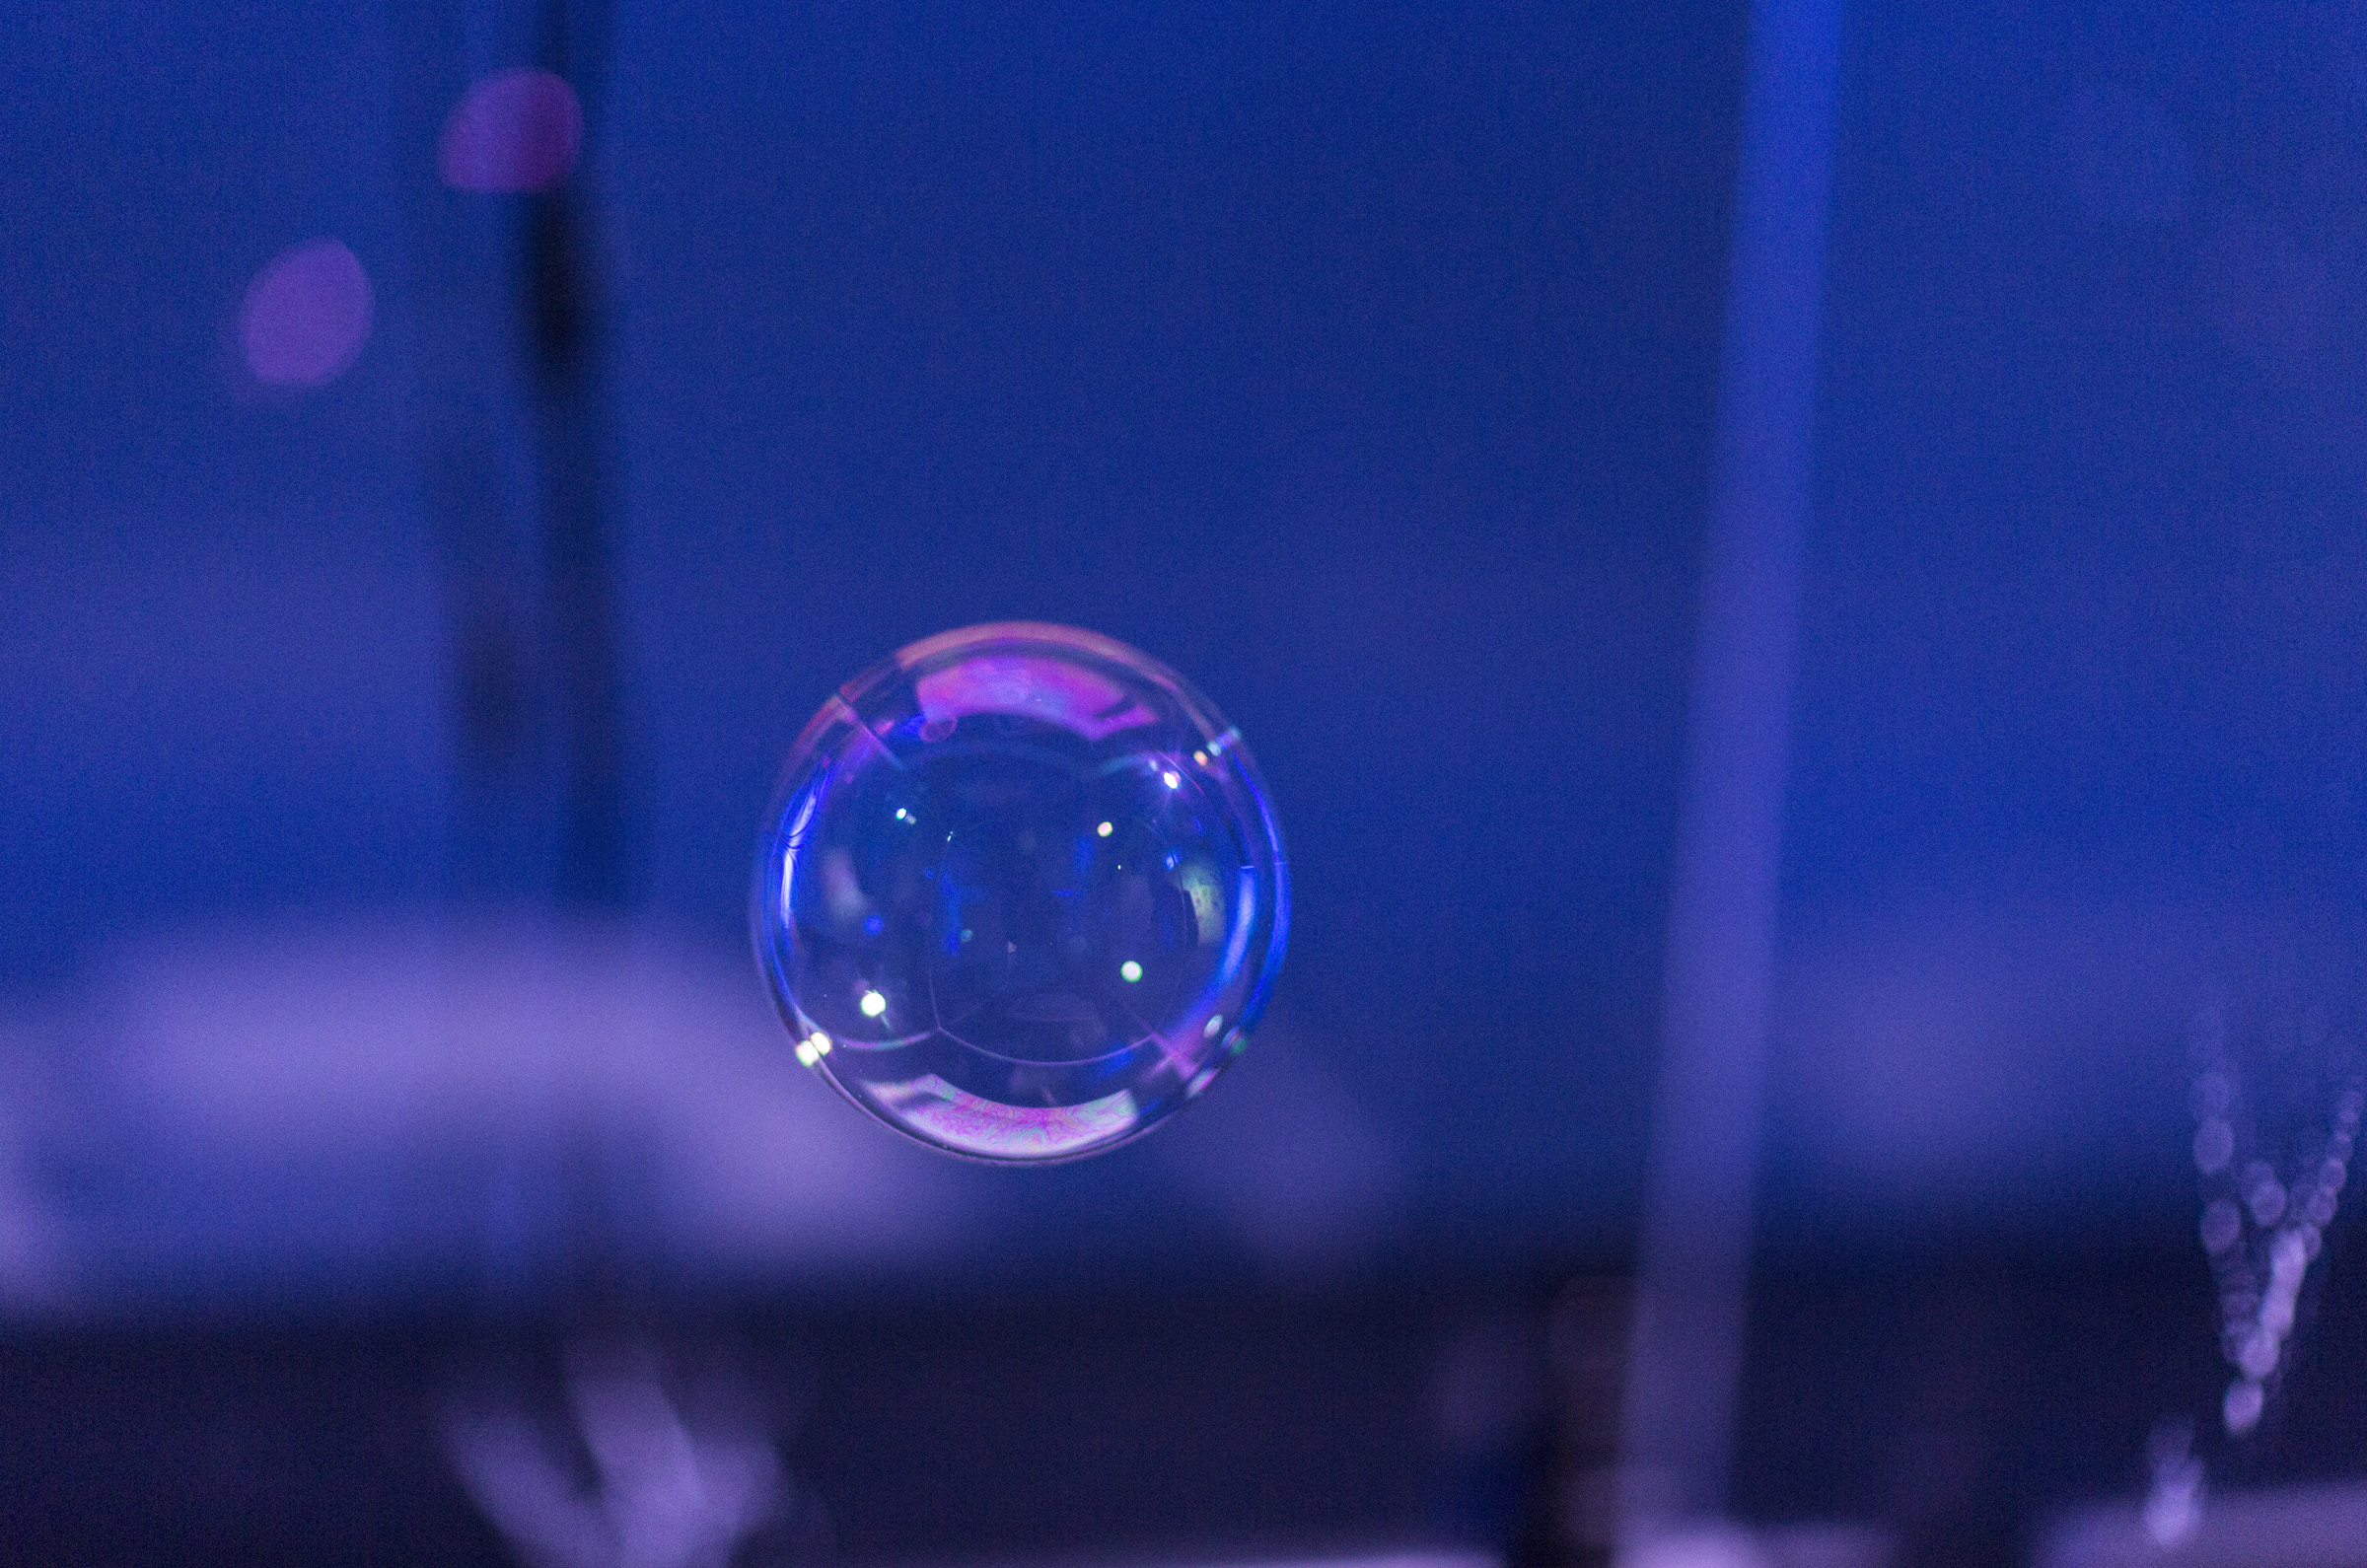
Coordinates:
[1021,894]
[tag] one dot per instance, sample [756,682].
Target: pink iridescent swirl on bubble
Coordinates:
[1030,686]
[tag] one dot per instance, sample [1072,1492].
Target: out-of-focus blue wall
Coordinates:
[1356,359]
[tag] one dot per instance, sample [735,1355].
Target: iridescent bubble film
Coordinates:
[1021,894]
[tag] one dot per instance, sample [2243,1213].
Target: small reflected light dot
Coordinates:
[1200,757]
[1171,778]
[902,815]
[874,1004]
[1131,970]
[807,1056]
[820,1043]
[1215,1021]
[306,315]
[515,130]
[1105,830]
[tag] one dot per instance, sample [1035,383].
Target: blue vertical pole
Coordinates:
[1686,1355]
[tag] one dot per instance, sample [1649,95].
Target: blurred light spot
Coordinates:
[2122,157]
[674,1489]
[2222,1224]
[306,315]
[2214,1146]
[515,130]
[2173,1502]
[1171,778]
[2288,1257]
[1695,1545]
[2242,1406]
[807,1056]
[1105,830]
[2267,1201]
[1216,1021]
[874,1004]
[1132,970]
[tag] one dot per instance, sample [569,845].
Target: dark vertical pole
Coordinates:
[564,317]
[468,436]
[520,477]
[1686,1356]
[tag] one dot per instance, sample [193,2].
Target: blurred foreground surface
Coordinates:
[1920,1410]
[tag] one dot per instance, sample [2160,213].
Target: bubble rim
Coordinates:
[807,755]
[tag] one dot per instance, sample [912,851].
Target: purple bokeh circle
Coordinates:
[306,315]
[515,130]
